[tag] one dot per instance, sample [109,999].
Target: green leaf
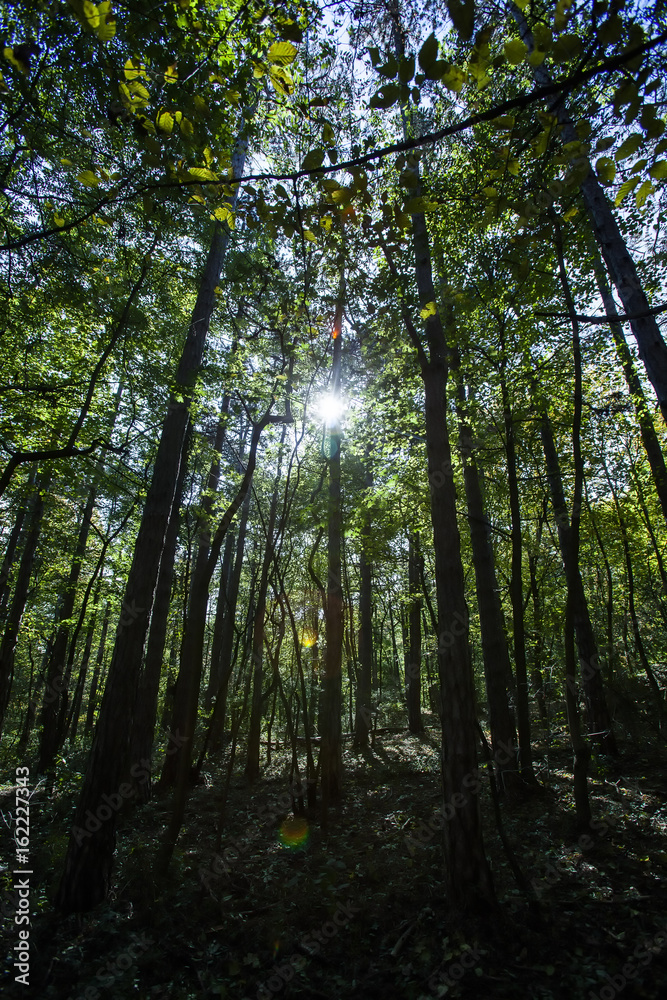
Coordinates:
[224,213]
[659,170]
[428,53]
[454,78]
[313,159]
[406,69]
[88,179]
[281,80]
[462,13]
[291,30]
[165,121]
[420,204]
[566,47]
[282,53]
[429,309]
[389,69]
[133,69]
[625,189]
[386,96]
[503,122]
[310,236]
[91,14]
[642,194]
[629,147]
[605,169]
[203,174]
[515,51]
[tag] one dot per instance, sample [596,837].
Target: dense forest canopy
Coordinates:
[334,385]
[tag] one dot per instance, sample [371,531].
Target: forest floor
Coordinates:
[358,910]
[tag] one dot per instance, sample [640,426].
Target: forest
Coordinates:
[333,499]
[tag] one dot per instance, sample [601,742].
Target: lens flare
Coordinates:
[330,409]
[294,832]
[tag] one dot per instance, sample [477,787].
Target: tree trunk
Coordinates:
[94,682]
[621,266]
[656,459]
[516,589]
[145,714]
[87,871]
[17,607]
[362,720]
[414,657]
[599,721]
[495,654]
[13,541]
[331,757]
[257,655]
[467,873]
[56,679]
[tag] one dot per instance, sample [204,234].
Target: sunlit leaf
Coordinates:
[281,80]
[203,174]
[282,53]
[429,309]
[88,179]
[91,14]
[310,236]
[171,74]
[420,204]
[625,189]
[642,194]
[165,121]
[515,51]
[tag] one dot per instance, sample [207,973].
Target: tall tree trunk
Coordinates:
[257,654]
[12,542]
[363,708]
[331,757]
[192,649]
[197,606]
[94,681]
[18,603]
[87,871]
[495,653]
[580,748]
[651,442]
[227,641]
[467,873]
[57,679]
[414,657]
[599,721]
[516,587]
[639,643]
[221,614]
[145,714]
[621,266]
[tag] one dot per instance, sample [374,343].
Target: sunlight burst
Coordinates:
[330,409]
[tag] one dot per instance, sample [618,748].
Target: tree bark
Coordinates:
[620,264]
[414,657]
[87,871]
[495,653]
[17,607]
[331,757]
